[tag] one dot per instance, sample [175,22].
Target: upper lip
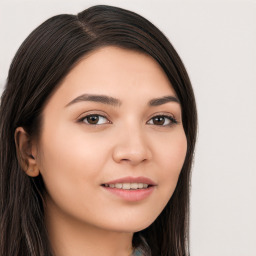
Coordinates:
[131,179]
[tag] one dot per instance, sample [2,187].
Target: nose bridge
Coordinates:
[132,145]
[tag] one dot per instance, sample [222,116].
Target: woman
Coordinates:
[98,127]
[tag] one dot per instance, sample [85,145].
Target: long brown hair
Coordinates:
[42,61]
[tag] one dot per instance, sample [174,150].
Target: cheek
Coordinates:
[70,149]
[171,156]
[171,150]
[70,165]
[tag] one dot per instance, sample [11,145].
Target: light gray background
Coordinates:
[217,42]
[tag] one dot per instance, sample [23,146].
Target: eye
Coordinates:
[95,119]
[162,120]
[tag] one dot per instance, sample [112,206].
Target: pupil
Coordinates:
[158,120]
[93,119]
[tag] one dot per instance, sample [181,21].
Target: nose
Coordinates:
[131,147]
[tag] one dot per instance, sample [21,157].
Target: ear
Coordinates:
[26,152]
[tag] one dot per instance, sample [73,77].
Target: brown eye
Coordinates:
[158,120]
[95,120]
[92,119]
[162,120]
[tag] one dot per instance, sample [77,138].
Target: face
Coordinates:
[112,143]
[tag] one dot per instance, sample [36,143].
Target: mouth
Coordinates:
[128,186]
[130,183]
[131,188]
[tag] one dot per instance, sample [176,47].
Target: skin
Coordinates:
[75,158]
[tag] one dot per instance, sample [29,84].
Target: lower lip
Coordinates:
[131,195]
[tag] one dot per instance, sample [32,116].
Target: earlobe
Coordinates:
[25,154]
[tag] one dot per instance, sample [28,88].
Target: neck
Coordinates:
[71,237]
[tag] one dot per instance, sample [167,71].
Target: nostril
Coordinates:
[132,152]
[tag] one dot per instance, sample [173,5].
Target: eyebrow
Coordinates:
[163,100]
[96,98]
[116,102]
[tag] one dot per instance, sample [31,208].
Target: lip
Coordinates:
[131,195]
[131,179]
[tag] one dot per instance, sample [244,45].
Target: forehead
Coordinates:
[117,72]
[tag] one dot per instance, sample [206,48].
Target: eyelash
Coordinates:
[168,117]
[172,119]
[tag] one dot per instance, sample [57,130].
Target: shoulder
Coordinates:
[137,253]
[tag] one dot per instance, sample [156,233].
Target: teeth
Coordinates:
[127,186]
[134,185]
[118,185]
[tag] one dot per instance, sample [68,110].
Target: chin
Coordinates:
[133,225]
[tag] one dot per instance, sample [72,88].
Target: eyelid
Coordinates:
[169,116]
[93,113]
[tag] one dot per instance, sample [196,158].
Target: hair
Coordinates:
[40,64]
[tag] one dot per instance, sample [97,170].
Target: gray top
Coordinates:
[137,253]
